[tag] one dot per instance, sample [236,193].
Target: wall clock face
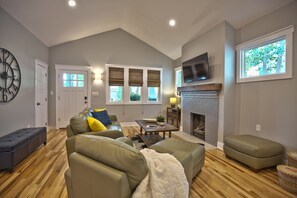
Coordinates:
[10,76]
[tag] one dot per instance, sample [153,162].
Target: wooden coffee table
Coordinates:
[152,130]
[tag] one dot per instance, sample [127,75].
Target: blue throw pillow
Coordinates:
[102,116]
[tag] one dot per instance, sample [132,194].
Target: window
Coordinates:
[153,93]
[178,78]
[135,94]
[266,58]
[133,85]
[153,84]
[73,80]
[116,93]
[116,83]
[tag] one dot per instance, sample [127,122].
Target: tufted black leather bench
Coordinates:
[16,146]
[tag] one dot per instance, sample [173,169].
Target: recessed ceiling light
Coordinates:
[72,3]
[172,22]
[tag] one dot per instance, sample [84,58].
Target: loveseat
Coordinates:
[105,167]
[79,125]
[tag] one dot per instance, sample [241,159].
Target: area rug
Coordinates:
[132,132]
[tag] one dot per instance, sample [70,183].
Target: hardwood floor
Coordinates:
[42,175]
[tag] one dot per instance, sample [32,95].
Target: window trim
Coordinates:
[286,33]
[126,87]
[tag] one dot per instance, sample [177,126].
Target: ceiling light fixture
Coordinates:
[172,22]
[72,3]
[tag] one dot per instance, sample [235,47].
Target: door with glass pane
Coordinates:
[73,96]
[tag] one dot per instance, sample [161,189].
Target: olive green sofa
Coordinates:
[105,167]
[79,125]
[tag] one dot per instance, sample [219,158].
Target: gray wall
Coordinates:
[20,112]
[272,104]
[219,43]
[113,47]
[228,96]
[213,43]
[177,62]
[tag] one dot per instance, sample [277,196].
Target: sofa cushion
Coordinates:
[114,126]
[79,124]
[98,110]
[102,116]
[254,146]
[116,154]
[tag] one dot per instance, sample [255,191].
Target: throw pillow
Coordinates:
[79,124]
[102,116]
[98,110]
[95,125]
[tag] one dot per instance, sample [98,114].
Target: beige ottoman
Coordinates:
[253,151]
[191,155]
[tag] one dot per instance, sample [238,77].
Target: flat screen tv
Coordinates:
[196,69]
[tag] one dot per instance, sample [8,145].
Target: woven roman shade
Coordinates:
[135,77]
[116,76]
[153,78]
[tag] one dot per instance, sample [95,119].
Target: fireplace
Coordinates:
[198,123]
[201,103]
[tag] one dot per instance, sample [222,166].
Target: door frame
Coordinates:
[58,68]
[45,65]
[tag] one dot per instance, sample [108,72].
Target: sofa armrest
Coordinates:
[69,131]
[67,176]
[113,118]
[94,179]
[70,146]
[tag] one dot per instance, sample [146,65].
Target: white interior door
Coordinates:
[41,81]
[73,94]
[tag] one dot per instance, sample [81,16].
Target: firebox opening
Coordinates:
[198,121]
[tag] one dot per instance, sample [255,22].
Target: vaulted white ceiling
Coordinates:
[53,22]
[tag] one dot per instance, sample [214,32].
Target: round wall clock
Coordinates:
[10,76]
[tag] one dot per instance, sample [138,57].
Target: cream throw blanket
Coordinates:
[166,177]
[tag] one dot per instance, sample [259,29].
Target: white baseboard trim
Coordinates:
[220,145]
[51,127]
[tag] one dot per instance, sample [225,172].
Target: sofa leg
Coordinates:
[44,143]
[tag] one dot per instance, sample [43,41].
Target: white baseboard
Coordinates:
[220,145]
[51,127]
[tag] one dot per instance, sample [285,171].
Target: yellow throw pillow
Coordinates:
[95,125]
[99,110]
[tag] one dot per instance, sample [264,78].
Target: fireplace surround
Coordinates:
[203,100]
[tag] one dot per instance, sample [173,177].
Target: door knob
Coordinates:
[38,103]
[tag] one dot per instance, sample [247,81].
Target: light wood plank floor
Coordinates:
[42,175]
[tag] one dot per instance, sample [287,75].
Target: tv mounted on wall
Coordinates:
[196,69]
